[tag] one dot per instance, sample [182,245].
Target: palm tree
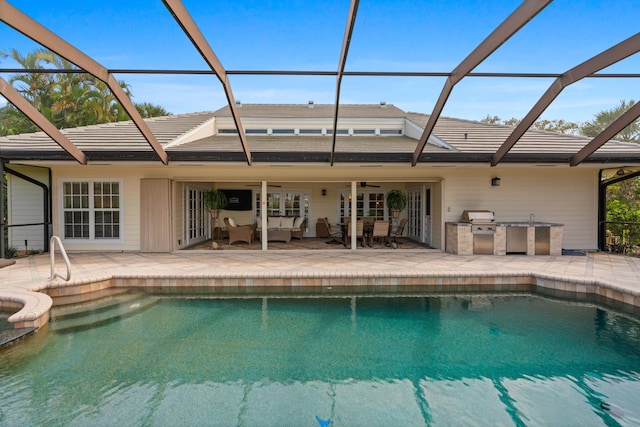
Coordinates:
[67,98]
[34,87]
[146,109]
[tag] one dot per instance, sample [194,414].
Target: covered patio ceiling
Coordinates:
[514,22]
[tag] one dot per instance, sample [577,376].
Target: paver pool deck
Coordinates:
[613,276]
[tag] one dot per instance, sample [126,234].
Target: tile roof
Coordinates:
[478,137]
[276,143]
[110,136]
[375,111]
[469,140]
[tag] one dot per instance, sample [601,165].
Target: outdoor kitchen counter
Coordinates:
[528,224]
[510,237]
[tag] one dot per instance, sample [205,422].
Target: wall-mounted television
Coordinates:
[239,200]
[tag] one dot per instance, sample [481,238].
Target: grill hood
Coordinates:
[478,216]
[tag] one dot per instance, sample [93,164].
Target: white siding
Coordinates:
[130,201]
[437,227]
[554,194]
[25,204]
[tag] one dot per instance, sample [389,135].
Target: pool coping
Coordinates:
[595,277]
[37,304]
[33,307]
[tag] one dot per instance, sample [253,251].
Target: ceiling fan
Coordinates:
[364,184]
[268,185]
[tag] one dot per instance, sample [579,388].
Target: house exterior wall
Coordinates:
[130,176]
[313,123]
[554,194]
[437,224]
[25,205]
[155,215]
[177,217]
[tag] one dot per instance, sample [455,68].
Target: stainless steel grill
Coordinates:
[483,228]
[482,222]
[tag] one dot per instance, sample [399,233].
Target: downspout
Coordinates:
[46,202]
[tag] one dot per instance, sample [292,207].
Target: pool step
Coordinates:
[65,307]
[98,312]
[86,298]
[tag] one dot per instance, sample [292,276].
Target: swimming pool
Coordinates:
[412,360]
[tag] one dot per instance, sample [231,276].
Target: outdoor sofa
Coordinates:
[283,225]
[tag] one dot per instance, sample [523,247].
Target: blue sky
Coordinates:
[424,36]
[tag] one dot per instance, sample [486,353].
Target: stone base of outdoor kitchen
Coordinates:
[522,238]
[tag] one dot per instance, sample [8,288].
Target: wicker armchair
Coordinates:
[298,230]
[239,233]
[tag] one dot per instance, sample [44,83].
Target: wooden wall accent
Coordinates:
[155,215]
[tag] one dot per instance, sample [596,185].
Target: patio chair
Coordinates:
[332,232]
[398,231]
[380,231]
[359,232]
[239,233]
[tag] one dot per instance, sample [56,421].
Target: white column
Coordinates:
[354,214]
[263,214]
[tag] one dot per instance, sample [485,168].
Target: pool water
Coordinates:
[365,361]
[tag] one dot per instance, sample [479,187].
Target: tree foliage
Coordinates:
[623,211]
[590,128]
[622,198]
[604,118]
[66,98]
[147,110]
[555,125]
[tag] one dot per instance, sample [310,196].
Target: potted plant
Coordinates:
[396,201]
[214,200]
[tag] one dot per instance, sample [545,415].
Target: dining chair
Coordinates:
[359,231]
[380,231]
[332,232]
[398,231]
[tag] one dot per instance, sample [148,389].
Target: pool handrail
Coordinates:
[52,255]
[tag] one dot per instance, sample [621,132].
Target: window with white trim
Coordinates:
[91,210]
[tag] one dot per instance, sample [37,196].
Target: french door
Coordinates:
[287,203]
[368,204]
[196,216]
[419,214]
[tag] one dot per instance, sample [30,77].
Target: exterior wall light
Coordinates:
[495,182]
[324,191]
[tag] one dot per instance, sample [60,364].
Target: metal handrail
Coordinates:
[52,254]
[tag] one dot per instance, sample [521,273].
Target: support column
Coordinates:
[263,215]
[354,214]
